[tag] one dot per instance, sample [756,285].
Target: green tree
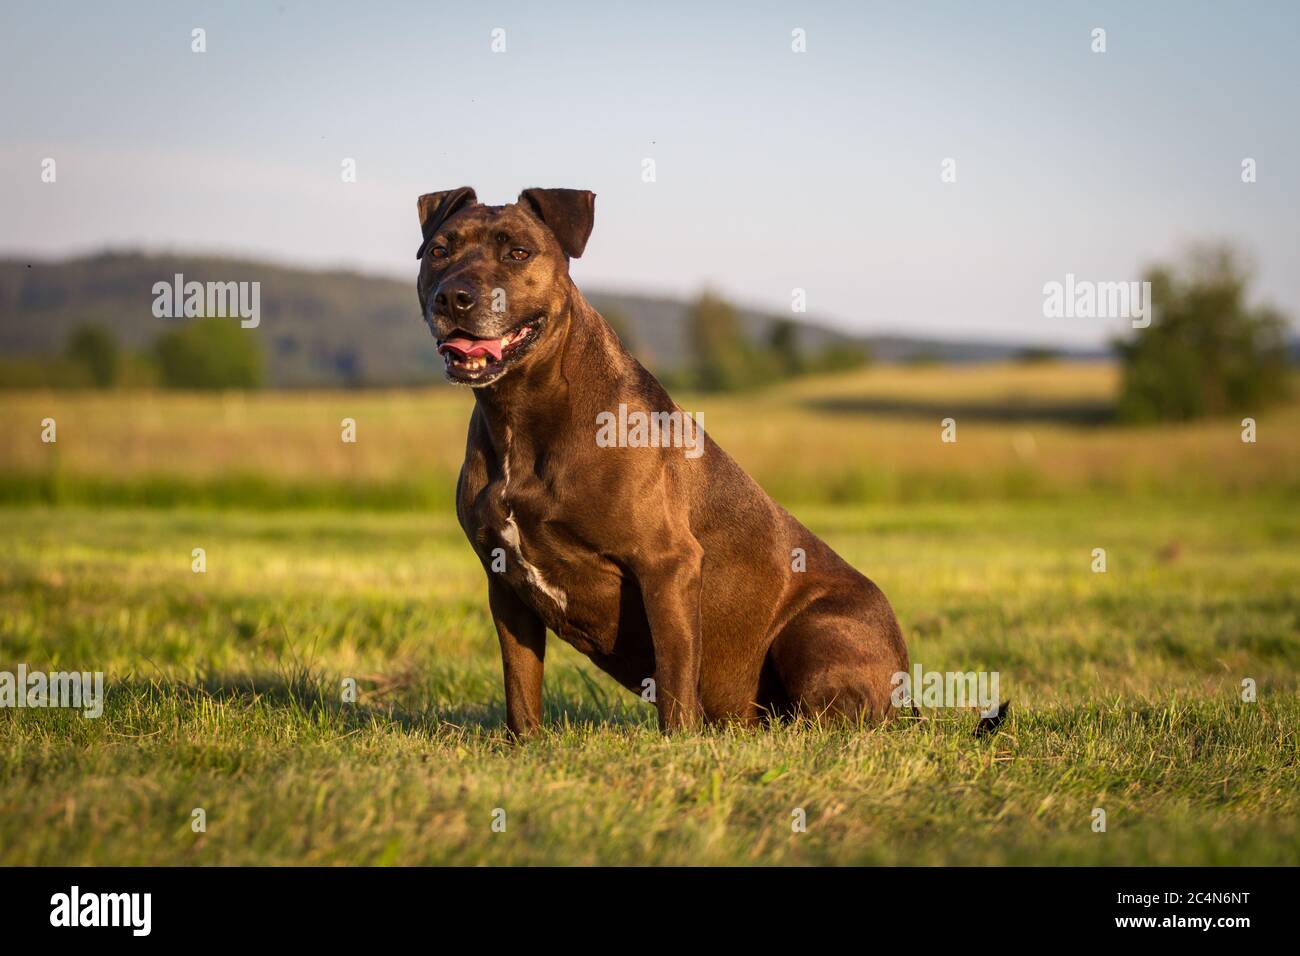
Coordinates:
[1206,351]
[718,348]
[209,354]
[783,342]
[93,348]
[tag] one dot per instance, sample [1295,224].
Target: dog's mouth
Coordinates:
[480,360]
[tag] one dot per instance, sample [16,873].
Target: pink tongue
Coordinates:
[473,348]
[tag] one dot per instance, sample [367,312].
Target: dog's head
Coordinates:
[493,279]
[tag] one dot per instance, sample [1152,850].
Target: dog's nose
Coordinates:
[456,298]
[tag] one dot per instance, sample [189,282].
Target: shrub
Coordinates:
[94,349]
[1206,351]
[209,354]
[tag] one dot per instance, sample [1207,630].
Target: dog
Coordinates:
[675,574]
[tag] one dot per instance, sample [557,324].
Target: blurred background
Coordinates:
[865,204]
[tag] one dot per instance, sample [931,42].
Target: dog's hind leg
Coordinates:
[839,655]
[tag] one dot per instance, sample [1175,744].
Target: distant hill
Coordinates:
[342,328]
[318,328]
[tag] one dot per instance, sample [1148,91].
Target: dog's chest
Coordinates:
[516,549]
[532,575]
[546,547]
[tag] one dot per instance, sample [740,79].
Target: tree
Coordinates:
[1206,351]
[783,340]
[93,348]
[718,347]
[210,354]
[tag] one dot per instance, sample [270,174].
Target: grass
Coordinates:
[1023,431]
[224,688]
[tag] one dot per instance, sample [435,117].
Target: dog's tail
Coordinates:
[988,725]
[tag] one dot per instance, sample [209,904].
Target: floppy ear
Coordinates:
[569,213]
[435,208]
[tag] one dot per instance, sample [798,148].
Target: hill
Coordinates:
[340,328]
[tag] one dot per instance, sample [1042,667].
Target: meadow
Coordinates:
[328,561]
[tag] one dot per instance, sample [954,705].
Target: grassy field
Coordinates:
[328,561]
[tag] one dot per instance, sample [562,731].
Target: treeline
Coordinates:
[215,353]
[209,353]
[721,358]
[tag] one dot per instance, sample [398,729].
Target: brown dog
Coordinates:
[668,566]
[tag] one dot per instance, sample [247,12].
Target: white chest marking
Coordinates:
[510,534]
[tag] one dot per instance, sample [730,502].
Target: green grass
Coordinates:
[328,561]
[1025,431]
[224,694]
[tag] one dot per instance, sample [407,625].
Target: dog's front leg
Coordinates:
[523,649]
[670,590]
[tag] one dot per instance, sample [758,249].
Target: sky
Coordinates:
[774,170]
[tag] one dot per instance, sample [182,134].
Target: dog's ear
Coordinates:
[436,207]
[569,213]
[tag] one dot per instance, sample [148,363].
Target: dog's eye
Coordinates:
[439,252]
[519,255]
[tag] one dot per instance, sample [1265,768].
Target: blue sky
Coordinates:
[775,170]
